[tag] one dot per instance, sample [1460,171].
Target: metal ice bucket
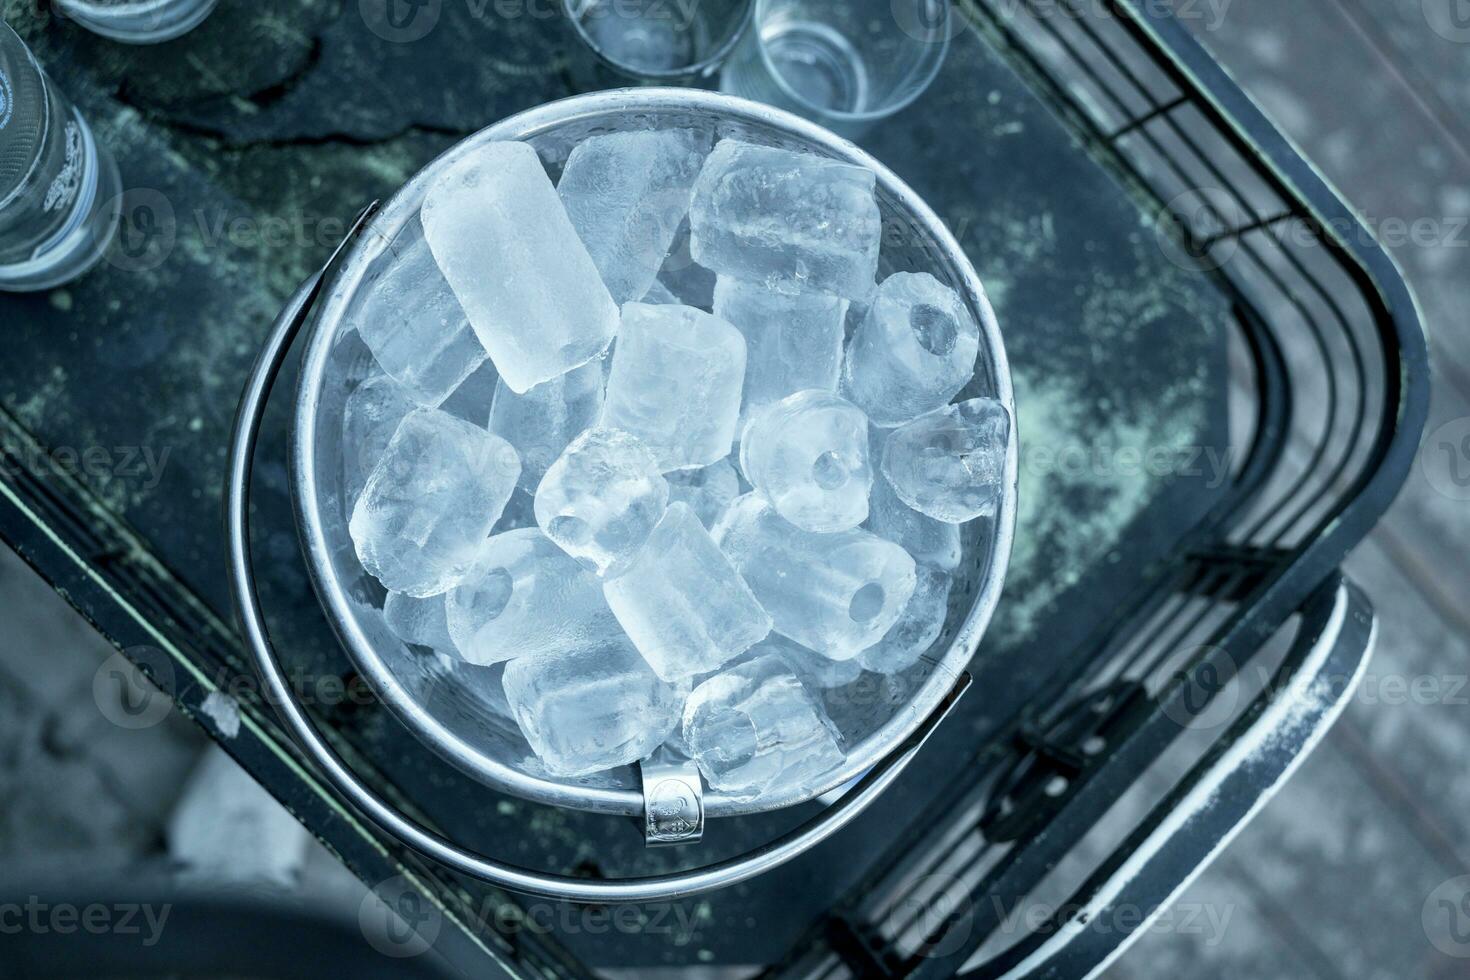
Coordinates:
[883,728]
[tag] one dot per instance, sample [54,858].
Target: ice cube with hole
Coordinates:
[834,593]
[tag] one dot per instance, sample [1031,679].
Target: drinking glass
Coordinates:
[59,190]
[842,63]
[137,21]
[660,41]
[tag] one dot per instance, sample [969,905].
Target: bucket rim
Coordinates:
[349,271]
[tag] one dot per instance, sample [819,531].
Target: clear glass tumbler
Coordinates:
[659,41]
[842,63]
[59,190]
[138,21]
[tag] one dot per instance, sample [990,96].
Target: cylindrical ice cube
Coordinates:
[415,328]
[682,604]
[793,341]
[835,593]
[429,503]
[526,596]
[924,538]
[676,379]
[626,194]
[504,242]
[369,419]
[950,463]
[600,500]
[796,221]
[917,628]
[914,350]
[754,727]
[808,454]
[590,708]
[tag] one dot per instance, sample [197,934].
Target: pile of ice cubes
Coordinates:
[666,525]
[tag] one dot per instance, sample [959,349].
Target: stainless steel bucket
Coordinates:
[884,728]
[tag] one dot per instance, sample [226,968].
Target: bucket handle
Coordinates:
[415,835]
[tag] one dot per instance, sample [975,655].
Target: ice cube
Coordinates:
[834,593]
[795,221]
[927,540]
[707,491]
[369,418]
[792,342]
[754,728]
[808,454]
[682,604]
[431,500]
[816,671]
[917,628]
[504,243]
[420,621]
[601,498]
[914,350]
[626,193]
[541,422]
[590,708]
[415,328]
[675,383]
[950,464]
[526,596]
